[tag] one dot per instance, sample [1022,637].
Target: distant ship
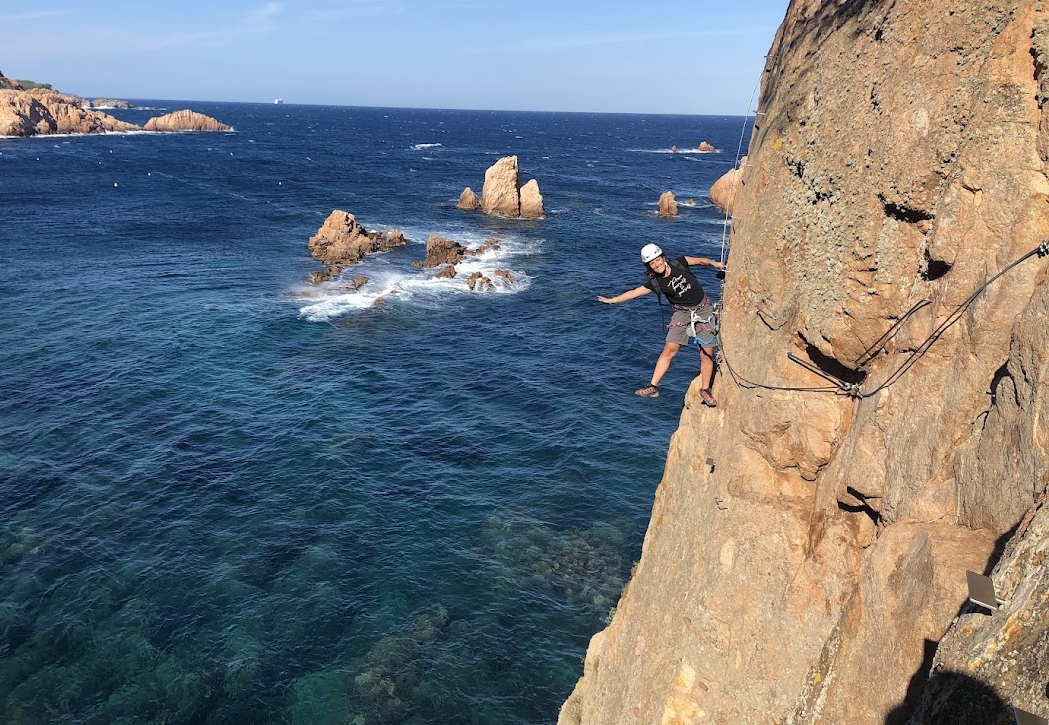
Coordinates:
[279,101]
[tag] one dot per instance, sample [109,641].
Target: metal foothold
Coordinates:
[1025,718]
[981,590]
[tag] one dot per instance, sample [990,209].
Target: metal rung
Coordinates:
[1025,718]
[981,591]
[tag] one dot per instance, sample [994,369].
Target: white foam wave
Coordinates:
[417,287]
[678,152]
[46,136]
[423,146]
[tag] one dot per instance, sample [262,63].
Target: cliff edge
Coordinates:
[809,540]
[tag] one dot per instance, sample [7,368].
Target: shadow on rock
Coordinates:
[953,698]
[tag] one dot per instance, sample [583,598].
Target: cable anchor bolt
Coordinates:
[1043,248]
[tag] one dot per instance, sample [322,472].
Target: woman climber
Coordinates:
[693,314]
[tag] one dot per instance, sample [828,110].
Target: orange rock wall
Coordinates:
[899,159]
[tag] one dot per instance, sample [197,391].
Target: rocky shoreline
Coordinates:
[41,111]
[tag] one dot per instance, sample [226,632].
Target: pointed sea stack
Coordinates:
[531,200]
[468,200]
[504,195]
[667,204]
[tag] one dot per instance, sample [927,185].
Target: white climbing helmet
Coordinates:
[650,252]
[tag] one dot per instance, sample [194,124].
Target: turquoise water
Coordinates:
[230,497]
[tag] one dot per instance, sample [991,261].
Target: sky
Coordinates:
[675,56]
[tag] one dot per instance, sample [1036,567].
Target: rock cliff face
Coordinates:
[808,546]
[40,111]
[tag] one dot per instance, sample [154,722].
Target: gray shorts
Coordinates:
[680,326]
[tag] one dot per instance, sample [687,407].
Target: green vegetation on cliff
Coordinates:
[28,85]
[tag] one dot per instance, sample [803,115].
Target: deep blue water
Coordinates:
[227,496]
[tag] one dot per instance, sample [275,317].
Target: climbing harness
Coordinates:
[704,316]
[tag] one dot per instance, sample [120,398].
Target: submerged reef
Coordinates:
[584,566]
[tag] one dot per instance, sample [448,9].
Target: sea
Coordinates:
[230,496]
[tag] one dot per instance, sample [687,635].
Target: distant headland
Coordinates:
[36,109]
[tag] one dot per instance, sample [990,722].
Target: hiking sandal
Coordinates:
[649,391]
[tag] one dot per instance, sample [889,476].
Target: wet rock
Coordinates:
[584,566]
[391,680]
[446,273]
[705,147]
[480,283]
[503,194]
[441,251]
[328,273]
[17,544]
[510,279]
[359,281]
[487,245]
